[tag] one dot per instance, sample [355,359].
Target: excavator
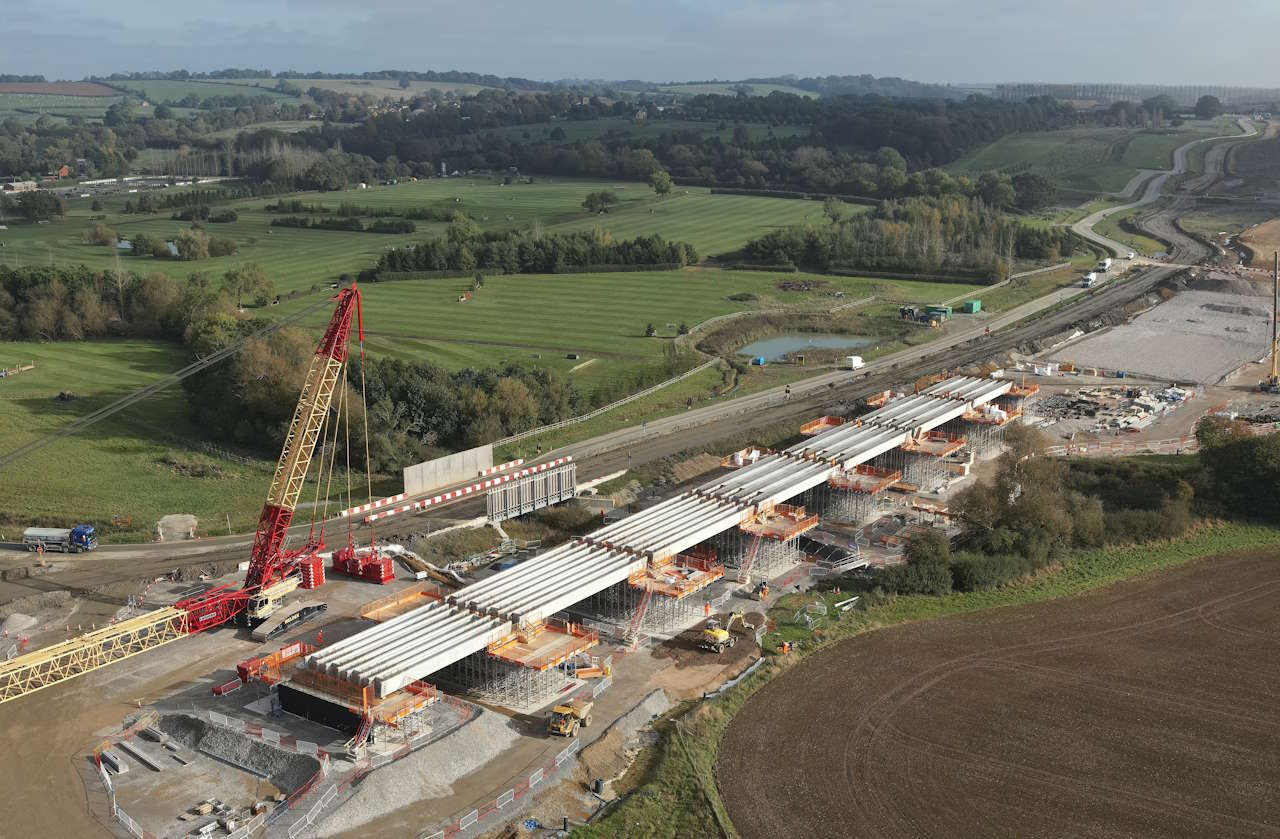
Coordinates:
[717,638]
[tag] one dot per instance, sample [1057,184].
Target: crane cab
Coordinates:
[266,601]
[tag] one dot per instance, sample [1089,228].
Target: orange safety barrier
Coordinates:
[879,400]
[419,695]
[821,424]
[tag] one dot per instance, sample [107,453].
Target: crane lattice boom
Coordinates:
[265,562]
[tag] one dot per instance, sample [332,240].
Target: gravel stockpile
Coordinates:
[286,770]
[1198,336]
[17,622]
[426,773]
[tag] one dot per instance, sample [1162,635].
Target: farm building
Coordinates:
[20,186]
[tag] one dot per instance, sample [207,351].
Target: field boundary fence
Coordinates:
[477,815]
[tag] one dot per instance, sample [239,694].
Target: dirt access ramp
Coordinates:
[1145,709]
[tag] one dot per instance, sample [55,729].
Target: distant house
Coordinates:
[64,171]
[20,186]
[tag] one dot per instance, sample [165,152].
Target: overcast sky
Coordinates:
[1155,41]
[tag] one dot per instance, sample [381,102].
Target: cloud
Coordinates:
[660,40]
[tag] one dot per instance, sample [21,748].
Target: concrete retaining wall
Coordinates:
[443,471]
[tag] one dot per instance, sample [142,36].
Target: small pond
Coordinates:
[779,346]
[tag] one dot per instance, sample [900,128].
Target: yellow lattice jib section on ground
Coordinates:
[68,659]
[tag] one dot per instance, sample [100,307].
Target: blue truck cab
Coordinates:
[84,537]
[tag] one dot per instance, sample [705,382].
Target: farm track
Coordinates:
[990,723]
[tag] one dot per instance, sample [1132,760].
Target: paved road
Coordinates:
[1153,191]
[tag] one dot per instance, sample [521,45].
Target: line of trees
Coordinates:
[1035,510]
[350,223]
[916,235]
[465,247]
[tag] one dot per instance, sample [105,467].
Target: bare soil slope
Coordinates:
[1146,709]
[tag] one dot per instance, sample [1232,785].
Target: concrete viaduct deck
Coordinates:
[427,639]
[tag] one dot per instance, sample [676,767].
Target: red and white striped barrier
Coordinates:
[452,495]
[493,470]
[373,505]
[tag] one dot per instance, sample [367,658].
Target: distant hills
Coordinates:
[860,85]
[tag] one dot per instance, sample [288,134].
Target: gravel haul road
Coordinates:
[1145,709]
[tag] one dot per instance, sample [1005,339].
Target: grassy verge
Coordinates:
[1112,227]
[676,795]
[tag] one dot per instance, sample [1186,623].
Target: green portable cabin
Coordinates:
[972,307]
[940,312]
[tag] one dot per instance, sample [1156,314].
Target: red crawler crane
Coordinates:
[271,570]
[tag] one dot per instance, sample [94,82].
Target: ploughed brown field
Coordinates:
[1148,708]
[59,88]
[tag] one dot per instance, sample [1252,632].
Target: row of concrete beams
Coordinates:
[771,480]
[538,588]
[677,524]
[970,389]
[395,653]
[427,639]
[849,445]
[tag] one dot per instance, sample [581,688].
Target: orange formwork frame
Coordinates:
[936,443]
[984,418]
[866,479]
[503,650]
[402,601]
[357,698]
[781,523]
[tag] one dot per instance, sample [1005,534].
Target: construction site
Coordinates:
[345,681]
[333,662]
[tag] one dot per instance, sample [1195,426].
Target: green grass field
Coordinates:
[714,224]
[730,89]
[26,107]
[541,319]
[379,88]
[114,467]
[297,259]
[590,129]
[1087,160]
[1145,245]
[166,90]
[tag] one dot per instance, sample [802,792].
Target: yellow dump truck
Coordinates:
[566,719]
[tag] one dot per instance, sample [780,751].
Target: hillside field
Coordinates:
[297,259]
[730,89]
[1090,160]
[539,320]
[134,464]
[173,90]
[590,129]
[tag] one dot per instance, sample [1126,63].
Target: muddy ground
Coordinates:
[1145,709]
